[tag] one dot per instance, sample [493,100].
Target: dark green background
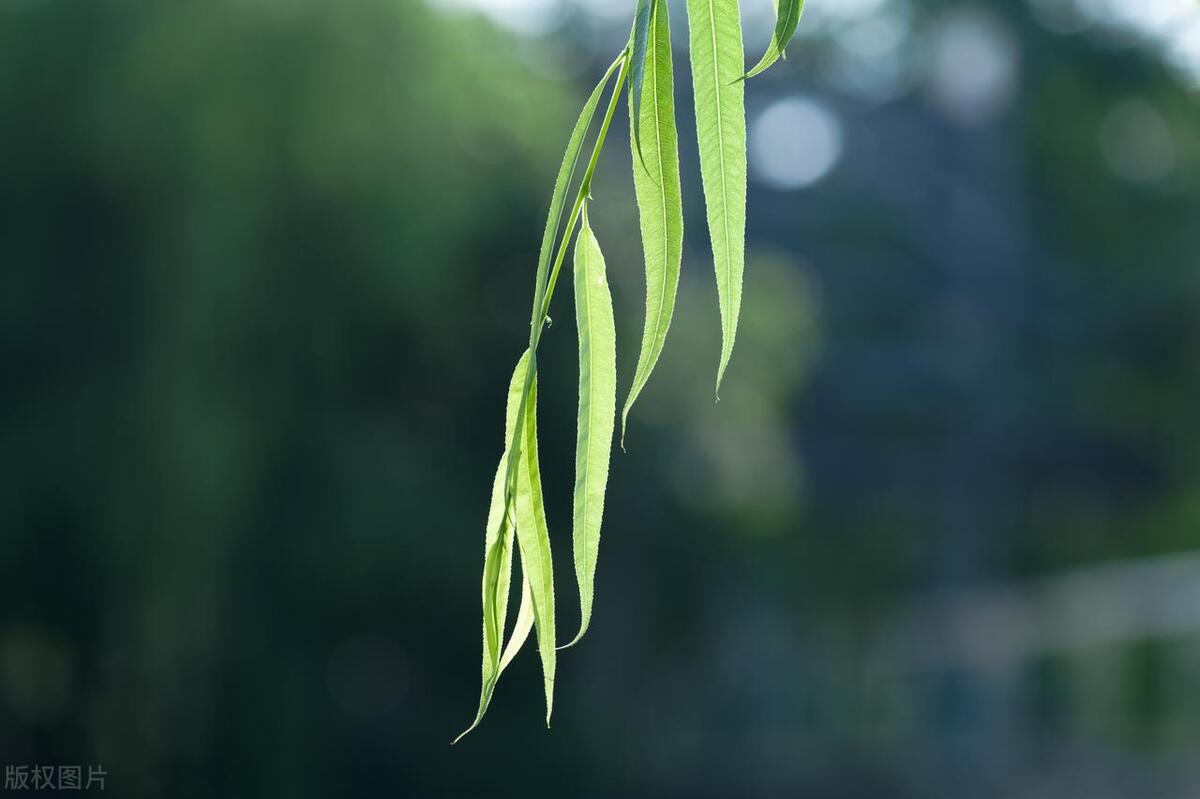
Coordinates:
[265,268]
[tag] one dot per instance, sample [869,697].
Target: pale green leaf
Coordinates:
[640,36]
[533,538]
[558,197]
[787,17]
[717,62]
[597,410]
[660,207]
[523,625]
[498,549]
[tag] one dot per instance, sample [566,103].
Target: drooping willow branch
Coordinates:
[516,512]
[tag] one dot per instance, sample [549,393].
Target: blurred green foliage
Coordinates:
[242,242]
[264,272]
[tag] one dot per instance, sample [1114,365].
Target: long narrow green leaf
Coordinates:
[597,410]
[787,17]
[660,205]
[533,537]
[523,625]
[498,549]
[558,197]
[717,62]
[640,35]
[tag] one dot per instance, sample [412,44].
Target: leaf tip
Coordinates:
[720,377]
[463,734]
[578,636]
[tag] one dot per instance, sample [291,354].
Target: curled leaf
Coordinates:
[498,549]
[787,17]
[523,625]
[533,537]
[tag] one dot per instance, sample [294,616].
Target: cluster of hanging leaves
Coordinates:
[643,71]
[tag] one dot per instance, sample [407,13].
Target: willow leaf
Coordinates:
[562,182]
[497,564]
[660,207]
[521,628]
[717,62]
[497,560]
[642,14]
[787,17]
[533,538]
[597,410]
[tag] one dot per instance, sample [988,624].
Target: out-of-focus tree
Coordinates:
[237,239]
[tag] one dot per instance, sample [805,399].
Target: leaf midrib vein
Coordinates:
[535,499]
[712,26]
[591,359]
[662,196]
